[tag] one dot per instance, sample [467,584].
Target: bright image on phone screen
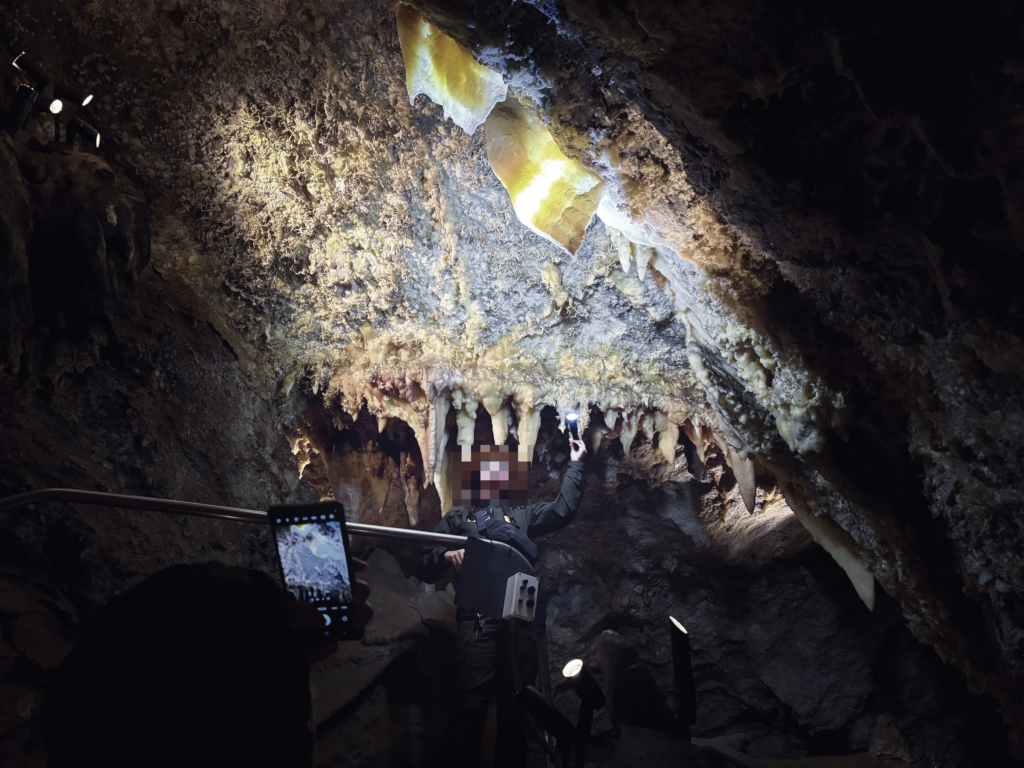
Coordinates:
[314,560]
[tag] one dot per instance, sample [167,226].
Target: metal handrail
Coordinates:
[194,509]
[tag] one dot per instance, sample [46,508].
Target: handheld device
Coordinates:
[313,551]
[572,422]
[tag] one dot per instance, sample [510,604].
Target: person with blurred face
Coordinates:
[490,488]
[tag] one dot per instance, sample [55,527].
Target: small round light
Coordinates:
[573,668]
[56,106]
[86,100]
[680,626]
[572,416]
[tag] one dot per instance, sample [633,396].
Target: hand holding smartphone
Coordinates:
[313,552]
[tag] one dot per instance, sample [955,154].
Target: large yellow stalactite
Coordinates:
[552,194]
[447,73]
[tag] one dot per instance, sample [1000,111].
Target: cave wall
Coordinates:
[114,378]
[788,660]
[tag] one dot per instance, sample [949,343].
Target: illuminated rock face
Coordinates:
[448,74]
[552,194]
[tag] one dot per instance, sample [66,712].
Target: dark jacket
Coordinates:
[533,520]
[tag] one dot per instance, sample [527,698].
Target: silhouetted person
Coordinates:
[492,483]
[198,665]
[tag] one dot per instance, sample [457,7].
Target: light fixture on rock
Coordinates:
[21,109]
[39,78]
[682,674]
[72,95]
[78,127]
[591,699]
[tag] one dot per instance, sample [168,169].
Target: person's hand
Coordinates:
[577,450]
[308,616]
[455,558]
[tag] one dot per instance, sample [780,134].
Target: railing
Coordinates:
[194,509]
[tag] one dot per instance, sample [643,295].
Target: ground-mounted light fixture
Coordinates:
[548,717]
[682,673]
[62,97]
[591,699]
[39,78]
[89,135]
[72,95]
[21,109]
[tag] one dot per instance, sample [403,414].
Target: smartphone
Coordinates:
[313,551]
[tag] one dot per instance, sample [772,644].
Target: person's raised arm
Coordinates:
[437,558]
[548,516]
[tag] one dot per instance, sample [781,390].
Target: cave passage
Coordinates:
[706,314]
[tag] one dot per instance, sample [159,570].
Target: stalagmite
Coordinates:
[410,486]
[447,73]
[668,436]
[552,194]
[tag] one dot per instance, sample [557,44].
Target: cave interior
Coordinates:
[772,254]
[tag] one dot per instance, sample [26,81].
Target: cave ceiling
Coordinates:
[775,236]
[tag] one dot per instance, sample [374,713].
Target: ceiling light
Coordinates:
[56,106]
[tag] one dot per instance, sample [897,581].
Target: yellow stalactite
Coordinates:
[446,72]
[552,194]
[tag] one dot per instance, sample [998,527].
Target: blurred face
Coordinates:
[488,475]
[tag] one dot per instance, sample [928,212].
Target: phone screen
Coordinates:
[312,545]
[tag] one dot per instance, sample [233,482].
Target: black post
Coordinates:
[583,725]
[591,698]
[682,668]
[56,129]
